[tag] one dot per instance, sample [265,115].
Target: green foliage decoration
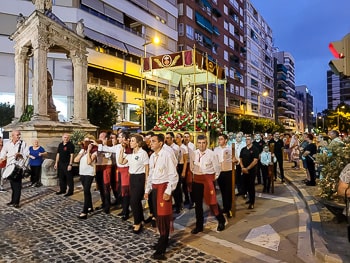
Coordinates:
[76,137]
[27,114]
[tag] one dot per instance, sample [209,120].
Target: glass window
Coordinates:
[189,32]
[189,12]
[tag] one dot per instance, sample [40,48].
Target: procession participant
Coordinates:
[14,152]
[239,145]
[224,155]
[206,168]
[249,157]
[162,180]
[187,182]
[259,143]
[138,162]
[63,165]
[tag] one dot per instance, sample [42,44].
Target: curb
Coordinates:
[318,244]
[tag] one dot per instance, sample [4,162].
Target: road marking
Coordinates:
[275,198]
[264,236]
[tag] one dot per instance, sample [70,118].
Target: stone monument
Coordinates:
[35,36]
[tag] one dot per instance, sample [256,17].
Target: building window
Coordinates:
[232,29]
[225,10]
[189,12]
[225,55]
[225,25]
[225,40]
[180,8]
[181,29]
[189,32]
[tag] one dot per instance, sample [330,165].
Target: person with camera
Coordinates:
[15,153]
[87,169]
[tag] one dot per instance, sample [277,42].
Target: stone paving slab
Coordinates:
[46,229]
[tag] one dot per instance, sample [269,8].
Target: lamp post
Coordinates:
[154,40]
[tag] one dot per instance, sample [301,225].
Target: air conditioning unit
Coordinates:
[200,38]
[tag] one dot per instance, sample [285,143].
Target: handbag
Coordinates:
[17,173]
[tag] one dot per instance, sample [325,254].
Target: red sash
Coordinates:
[209,190]
[164,210]
[125,180]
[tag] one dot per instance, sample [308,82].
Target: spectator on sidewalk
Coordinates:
[36,154]
[259,144]
[249,157]
[63,165]
[278,151]
[266,159]
[308,154]
[15,152]
[344,181]
[295,153]
[2,189]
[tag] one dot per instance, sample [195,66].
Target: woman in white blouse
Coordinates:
[138,162]
[87,159]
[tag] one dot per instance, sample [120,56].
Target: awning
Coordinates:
[106,40]
[203,22]
[187,66]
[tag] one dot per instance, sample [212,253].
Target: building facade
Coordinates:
[338,90]
[259,92]
[118,33]
[308,106]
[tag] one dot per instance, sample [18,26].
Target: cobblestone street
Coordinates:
[46,229]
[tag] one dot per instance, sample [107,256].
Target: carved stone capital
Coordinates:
[21,53]
[78,58]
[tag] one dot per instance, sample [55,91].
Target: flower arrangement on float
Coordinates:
[180,121]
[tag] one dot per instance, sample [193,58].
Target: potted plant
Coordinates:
[333,161]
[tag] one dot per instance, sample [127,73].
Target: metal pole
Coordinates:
[144,93]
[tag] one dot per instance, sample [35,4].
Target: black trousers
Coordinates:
[16,186]
[225,184]
[198,194]
[99,183]
[280,165]
[266,178]
[177,194]
[312,170]
[65,178]
[35,174]
[249,182]
[86,181]
[239,181]
[137,190]
[163,240]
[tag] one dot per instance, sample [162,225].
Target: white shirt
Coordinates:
[182,152]
[172,153]
[191,148]
[84,167]
[224,155]
[238,147]
[10,149]
[137,161]
[113,149]
[205,163]
[162,170]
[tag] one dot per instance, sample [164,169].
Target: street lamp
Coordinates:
[156,41]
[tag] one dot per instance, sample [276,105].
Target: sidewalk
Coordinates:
[328,237]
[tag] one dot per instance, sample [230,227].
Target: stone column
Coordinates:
[21,60]
[40,48]
[79,61]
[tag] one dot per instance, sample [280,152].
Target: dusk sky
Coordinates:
[304,28]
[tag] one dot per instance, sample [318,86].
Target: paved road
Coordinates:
[46,229]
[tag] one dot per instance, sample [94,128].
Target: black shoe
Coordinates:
[125,217]
[221,226]
[309,183]
[38,184]
[153,222]
[251,206]
[68,194]
[90,210]
[282,181]
[247,202]
[158,256]
[82,216]
[59,193]
[16,206]
[197,230]
[99,207]
[138,231]
[148,220]
[229,214]
[154,246]
[10,204]
[121,214]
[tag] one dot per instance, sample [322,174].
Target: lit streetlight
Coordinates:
[264,94]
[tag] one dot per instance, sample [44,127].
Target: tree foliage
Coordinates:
[102,108]
[7,113]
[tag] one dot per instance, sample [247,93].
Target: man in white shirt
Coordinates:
[15,152]
[224,155]
[187,183]
[206,168]
[239,145]
[162,181]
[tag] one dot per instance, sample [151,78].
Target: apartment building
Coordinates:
[308,106]
[338,90]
